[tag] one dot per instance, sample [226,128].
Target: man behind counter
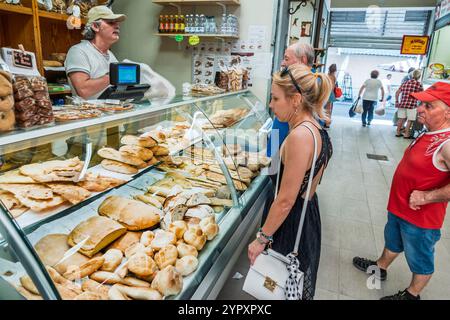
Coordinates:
[87,63]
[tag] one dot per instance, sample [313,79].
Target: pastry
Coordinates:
[186,265]
[186,250]
[209,227]
[119,167]
[136,151]
[51,250]
[166,256]
[138,293]
[163,239]
[98,232]
[133,214]
[126,241]
[146,142]
[7,120]
[142,265]
[6,103]
[112,154]
[74,194]
[78,272]
[168,281]
[195,237]
[6,87]
[113,258]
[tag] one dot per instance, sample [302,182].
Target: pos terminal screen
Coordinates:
[122,73]
[127,74]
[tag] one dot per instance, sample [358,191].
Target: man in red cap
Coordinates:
[419,196]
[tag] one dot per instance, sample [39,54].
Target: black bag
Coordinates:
[351,111]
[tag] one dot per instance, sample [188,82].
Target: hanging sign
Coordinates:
[415,45]
[179,38]
[194,40]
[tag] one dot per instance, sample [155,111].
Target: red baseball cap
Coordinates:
[438,91]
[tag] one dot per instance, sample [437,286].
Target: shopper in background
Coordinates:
[408,104]
[419,196]
[409,75]
[387,87]
[297,95]
[370,97]
[332,69]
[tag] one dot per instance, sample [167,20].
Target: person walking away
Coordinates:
[408,104]
[370,97]
[297,96]
[387,87]
[332,69]
[409,75]
[419,196]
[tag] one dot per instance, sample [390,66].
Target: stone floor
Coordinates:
[353,198]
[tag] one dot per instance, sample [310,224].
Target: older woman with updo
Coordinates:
[298,96]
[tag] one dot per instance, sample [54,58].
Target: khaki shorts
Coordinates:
[409,114]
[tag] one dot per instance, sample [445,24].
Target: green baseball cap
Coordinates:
[103,12]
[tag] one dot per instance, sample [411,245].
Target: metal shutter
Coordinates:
[377,29]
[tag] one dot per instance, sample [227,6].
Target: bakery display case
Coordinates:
[148,202]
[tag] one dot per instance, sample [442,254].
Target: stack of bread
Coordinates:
[7,117]
[226,118]
[46,185]
[136,152]
[120,256]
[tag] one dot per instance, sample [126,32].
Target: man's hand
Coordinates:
[417,199]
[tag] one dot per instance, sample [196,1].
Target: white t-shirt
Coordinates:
[86,58]
[386,86]
[372,86]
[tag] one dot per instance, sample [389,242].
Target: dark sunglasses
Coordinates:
[286,71]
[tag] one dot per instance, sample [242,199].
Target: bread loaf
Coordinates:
[166,256]
[159,151]
[146,142]
[186,265]
[147,199]
[119,167]
[136,151]
[168,281]
[99,232]
[51,250]
[112,154]
[134,215]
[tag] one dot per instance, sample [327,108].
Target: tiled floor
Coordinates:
[353,198]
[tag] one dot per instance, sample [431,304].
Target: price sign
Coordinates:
[22,59]
[414,45]
[179,38]
[194,40]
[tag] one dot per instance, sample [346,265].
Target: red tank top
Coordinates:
[418,170]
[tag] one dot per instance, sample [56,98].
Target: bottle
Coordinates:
[223,26]
[196,24]
[202,23]
[171,24]
[176,24]
[167,25]
[188,28]
[161,24]
[182,24]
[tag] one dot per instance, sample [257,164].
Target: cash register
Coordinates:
[124,83]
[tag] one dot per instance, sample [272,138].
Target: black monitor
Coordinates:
[124,80]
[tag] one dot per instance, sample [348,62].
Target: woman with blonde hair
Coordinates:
[298,96]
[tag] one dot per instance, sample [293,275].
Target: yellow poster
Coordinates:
[414,45]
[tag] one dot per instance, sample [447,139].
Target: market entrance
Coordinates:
[362,40]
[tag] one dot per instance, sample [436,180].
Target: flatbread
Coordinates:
[15,177]
[41,205]
[32,191]
[97,183]
[55,170]
[12,204]
[73,194]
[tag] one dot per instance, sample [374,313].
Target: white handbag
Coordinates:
[268,277]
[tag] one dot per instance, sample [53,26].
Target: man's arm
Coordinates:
[382,93]
[361,90]
[420,198]
[87,87]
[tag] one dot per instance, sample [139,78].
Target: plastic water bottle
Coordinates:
[223,26]
[188,23]
[202,24]
[196,24]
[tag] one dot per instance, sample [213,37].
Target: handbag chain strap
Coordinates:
[308,189]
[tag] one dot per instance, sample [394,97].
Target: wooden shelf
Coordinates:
[198,2]
[5,7]
[225,36]
[56,16]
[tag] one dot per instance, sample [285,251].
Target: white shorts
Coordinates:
[409,114]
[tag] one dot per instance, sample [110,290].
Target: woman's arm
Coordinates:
[298,153]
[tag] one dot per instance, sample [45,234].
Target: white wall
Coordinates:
[304,14]
[138,42]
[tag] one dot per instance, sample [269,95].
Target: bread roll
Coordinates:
[7,120]
[133,282]
[179,228]
[168,281]
[186,250]
[142,265]
[99,232]
[209,227]
[195,237]
[93,286]
[51,250]
[147,238]
[28,284]
[186,265]
[136,151]
[159,151]
[6,103]
[88,295]
[126,241]
[119,167]
[57,278]
[115,294]
[135,248]
[147,199]
[197,199]
[166,256]
[138,293]
[65,293]
[146,142]
[75,272]
[27,294]
[106,277]
[112,154]
[133,214]
[113,258]
[162,239]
